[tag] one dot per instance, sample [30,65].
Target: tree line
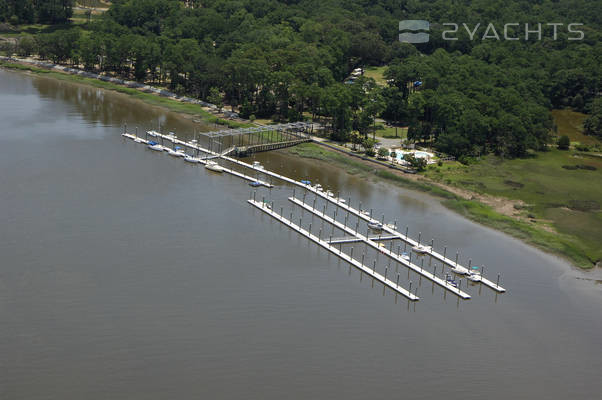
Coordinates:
[36,11]
[289,60]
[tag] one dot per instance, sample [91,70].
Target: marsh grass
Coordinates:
[547,189]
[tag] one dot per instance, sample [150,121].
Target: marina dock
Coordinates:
[405,238]
[201,160]
[391,232]
[383,250]
[324,244]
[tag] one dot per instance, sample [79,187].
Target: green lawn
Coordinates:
[570,123]
[389,132]
[570,200]
[377,74]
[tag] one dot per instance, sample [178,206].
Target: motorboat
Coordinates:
[474,277]
[460,270]
[176,152]
[365,213]
[306,182]
[191,159]
[213,166]
[318,187]
[329,193]
[422,249]
[375,226]
[255,184]
[341,200]
[155,146]
[140,140]
[391,226]
[449,280]
[257,165]
[152,133]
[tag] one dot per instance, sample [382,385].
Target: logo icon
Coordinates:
[414,25]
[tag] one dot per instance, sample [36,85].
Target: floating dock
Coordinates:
[393,233]
[404,237]
[383,250]
[201,160]
[323,243]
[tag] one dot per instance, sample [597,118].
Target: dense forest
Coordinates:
[30,11]
[290,59]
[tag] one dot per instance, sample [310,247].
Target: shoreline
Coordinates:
[463,202]
[476,207]
[149,95]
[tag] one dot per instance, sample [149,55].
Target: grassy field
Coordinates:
[568,200]
[390,132]
[570,123]
[377,74]
[172,105]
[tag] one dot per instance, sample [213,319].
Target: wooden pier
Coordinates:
[324,244]
[244,151]
[383,250]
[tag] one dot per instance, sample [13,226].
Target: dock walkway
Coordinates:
[201,160]
[332,199]
[379,248]
[363,268]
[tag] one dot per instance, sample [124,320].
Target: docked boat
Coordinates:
[460,270]
[255,184]
[191,159]
[155,146]
[318,187]
[422,249]
[451,281]
[391,226]
[306,182]
[329,193]
[375,226]
[139,140]
[213,166]
[474,277]
[365,213]
[257,165]
[405,256]
[176,152]
[152,133]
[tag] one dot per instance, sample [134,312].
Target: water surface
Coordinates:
[128,274]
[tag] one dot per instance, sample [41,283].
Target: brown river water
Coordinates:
[127,274]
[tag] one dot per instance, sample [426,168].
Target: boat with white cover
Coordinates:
[213,166]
